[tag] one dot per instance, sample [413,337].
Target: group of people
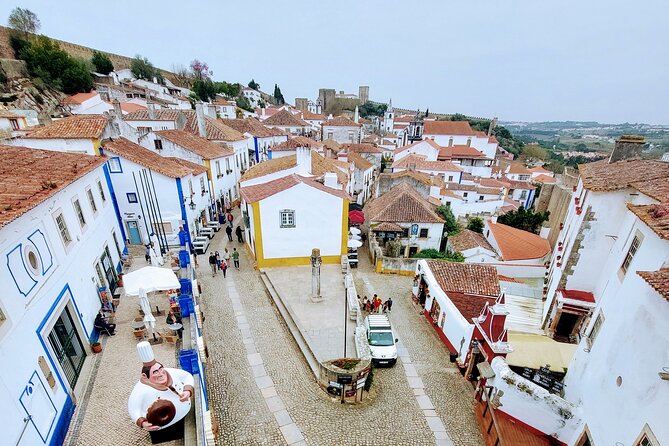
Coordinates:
[376,305]
[222,264]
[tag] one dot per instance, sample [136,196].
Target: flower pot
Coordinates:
[96,347]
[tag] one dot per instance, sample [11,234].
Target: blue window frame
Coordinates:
[115,165]
[132,197]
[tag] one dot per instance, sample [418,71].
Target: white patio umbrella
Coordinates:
[149,320]
[355,237]
[355,231]
[150,278]
[354,243]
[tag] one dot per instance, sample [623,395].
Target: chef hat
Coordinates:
[146,353]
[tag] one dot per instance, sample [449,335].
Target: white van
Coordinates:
[381,339]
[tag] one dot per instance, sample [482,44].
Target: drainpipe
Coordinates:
[184,216]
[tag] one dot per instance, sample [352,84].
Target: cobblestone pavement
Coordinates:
[101,416]
[389,416]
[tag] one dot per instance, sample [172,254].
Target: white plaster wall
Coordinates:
[318,223]
[154,125]
[19,345]
[57,145]
[422,148]
[340,134]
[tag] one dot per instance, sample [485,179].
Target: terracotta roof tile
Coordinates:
[252,126]
[286,119]
[468,305]
[308,116]
[418,176]
[295,142]
[657,189]
[467,278]
[467,239]
[659,280]
[362,148]
[29,177]
[544,179]
[420,163]
[79,98]
[147,158]
[340,121]
[387,226]
[401,204]
[515,184]
[460,151]
[656,216]
[258,192]
[73,127]
[360,162]
[163,114]
[518,168]
[196,144]
[516,244]
[605,176]
[407,147]
[8,114]
[447,128]
[319,166]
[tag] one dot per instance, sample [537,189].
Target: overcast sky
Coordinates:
[603,60]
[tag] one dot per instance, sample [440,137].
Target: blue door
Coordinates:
[133,231]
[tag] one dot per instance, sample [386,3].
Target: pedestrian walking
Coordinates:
[228,230]
[226,257]
[377,303]
[218,260]
[389,304]
[365,301]
[230,218]
[235,257]
[212,263]
[224,268]
[239,232]
[147,254]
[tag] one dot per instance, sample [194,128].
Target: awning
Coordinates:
[354,207]
[535,351]
[356,217]
[150,278]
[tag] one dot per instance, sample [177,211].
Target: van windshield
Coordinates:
[382,338]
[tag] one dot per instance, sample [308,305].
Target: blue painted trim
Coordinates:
[184,215]
[24,267]
[529,197]
[119,164]
[257,151]
[27,391]
[44,271]
[460,179]
[112,194]
[60,432]
[129,197]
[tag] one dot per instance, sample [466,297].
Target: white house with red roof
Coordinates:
[11,123]
[459,133]
[60,243]
[86,104]
[290,209]
[515,245]
[342,130]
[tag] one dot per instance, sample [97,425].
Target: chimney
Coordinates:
[303,155]
[356,115]
[627,147]
[117,108]
[151,109]
[262,111]
[330,180]
[199,115]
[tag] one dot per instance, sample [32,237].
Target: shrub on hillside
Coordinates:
[102,63]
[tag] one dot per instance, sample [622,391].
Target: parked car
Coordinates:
[381,339]
[207,232]
[216,226]
[201,244]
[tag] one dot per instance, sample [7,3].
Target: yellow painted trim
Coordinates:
[399,272]
[207,164]
[296,261]
[96,145]
[379,265]
[257,233]
[344,228]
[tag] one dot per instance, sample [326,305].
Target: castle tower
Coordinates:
[363,93]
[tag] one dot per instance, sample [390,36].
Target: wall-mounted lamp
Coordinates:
[192,205]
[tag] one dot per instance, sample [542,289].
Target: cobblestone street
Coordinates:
[391,414]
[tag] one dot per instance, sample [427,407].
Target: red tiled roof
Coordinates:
[539,169]
[468,278]
[163,114]
[447,128]
[359,162]
[657,188]
[518,168]
[8,114]
[319,166]
[362,148]
[420,163]
[308,116]
[286,119]
[544,179]
[258,192]
[516,244]
[468,305]
[130,107]
[29,177]
[583,296]
[460,151]
[605,176]
[340,121]
[515,184]
[295,142]
[79,98]
[252,126]
[659,280]
[196,144]
[656,216]
[418,176]
[401,204]
[72,127]
[387,226]
[492,182]
[147,158]
[196,169]
[429,141]
[468,239]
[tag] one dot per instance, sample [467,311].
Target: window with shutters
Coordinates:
[287,218]
[102,192]
[423,233]
[79,212]
[631,252]
[91,200]
[62,228]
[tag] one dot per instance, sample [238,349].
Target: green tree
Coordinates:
[76,78]
[204,89]
[230,90]
[243,103]
[141,68]
[278,97]
[102,63]
[451,225]
[372,109]
[476,224]
[451,256]
[533,152]
[254,85]
[525,219]
[24,20]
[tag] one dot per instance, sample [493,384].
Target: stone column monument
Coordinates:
[316,275]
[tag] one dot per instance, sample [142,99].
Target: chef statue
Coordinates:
[162,396]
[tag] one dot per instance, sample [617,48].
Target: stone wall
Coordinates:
[558,205]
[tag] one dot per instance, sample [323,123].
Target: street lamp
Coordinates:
[192,205]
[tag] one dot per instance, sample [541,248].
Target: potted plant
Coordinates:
[96,347]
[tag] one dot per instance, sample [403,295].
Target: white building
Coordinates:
[225,109]
[156,194]
[286,121]
[252,95]
[290,147]
[403,213]
[363,177]
[11,124]
[80,133]
[342,130]
[290,209]
[515,245]
[459,133]
[60,243]
[262,139]
[446,170]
